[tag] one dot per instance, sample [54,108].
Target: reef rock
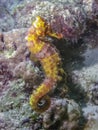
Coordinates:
[71,18]
[87,79]
[19,76]
[63,114]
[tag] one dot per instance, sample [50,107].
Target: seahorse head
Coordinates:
[40,25]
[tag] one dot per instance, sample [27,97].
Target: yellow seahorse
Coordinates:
[49,58]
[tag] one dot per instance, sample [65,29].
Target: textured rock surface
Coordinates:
[67,17]
[67,117]
[17,75]
[87,79]
[76,19]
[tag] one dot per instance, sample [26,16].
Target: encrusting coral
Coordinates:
[49,58]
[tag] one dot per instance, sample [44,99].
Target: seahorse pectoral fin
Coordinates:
[50,33]
[55,35]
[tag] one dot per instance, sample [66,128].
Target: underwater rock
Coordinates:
[67,17]
[62,114]
[16,36]
[86,77]
[91,126]
[70,18]
[19,76]
[94,93]
[6,20]
[91,115]
[14,55]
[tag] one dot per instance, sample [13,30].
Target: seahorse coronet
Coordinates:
[49,58]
